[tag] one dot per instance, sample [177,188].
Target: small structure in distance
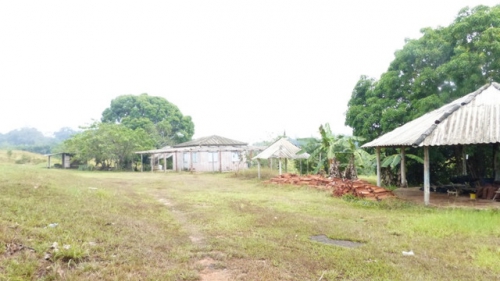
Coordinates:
[207,154]
[280,149]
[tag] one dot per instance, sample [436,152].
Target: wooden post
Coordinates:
[190,160]
[213,161]
[464,161]
[48,167]
[426,176]
[175,160]
[378,167]
[152,162]
[496,163]
[280,166]
[165,162]
[142,163]
[258,168]
[404,183]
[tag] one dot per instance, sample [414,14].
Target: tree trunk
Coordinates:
[350,170]
[335,168]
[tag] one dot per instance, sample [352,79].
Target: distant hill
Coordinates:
[30,139]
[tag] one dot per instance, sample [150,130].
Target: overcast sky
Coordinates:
[246,70]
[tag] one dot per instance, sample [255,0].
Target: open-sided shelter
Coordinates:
[65,159]
[206,154]
[280,149]
[470,120]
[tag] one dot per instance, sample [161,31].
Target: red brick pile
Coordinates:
[338,187]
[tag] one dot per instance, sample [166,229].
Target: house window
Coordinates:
[213,157]
[195,157]
[235,156]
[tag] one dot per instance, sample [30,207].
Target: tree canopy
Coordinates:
[443,65]
[162,120]
[108,144]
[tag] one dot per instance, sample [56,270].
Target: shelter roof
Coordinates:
[471,119]
[59,153]
[282,148]
[211,141]
[170,149]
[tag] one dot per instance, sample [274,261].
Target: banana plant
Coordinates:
[346,146]
[394,160]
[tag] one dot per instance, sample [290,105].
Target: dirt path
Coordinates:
[210,269]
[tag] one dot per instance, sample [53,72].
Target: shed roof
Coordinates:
[204,148]
[60,153]
[211,141]
[471,119]
[282,148]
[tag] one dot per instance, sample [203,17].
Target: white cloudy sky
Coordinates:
[246,70]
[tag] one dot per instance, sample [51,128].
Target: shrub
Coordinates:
[24,159]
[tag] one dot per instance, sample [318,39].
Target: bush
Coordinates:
[24,159]
[86,167]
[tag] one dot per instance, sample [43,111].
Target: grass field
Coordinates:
[181,226]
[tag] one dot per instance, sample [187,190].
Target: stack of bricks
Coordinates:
[338,187]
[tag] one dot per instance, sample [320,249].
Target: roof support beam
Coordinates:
[152,162]
[378,166]
[464,160]
[404,183]
[427,181]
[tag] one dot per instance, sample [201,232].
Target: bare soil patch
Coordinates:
[414,194]
[210,268]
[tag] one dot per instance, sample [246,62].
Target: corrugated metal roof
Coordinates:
[211,141]
[169,149]
[471,119]
[282,148]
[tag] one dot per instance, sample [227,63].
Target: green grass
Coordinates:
[24,157]
[371,179]
[156,226]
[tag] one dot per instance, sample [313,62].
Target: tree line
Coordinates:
[131,123]
[444,64]
[31,139]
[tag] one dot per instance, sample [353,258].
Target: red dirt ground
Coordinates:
[413,194]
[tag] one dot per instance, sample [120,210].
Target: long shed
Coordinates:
[207,154]
[470,120]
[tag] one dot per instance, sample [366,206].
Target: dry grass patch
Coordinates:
[137,226]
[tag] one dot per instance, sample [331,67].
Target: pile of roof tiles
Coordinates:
[338,187]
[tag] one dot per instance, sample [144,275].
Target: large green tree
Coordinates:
[108,144]
[442,65]
[162,120]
